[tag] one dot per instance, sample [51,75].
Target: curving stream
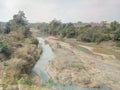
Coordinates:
[42,64]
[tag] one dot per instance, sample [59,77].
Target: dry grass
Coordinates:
[83,68]
[12,70]
[24,56]
[108,51]
[107,47]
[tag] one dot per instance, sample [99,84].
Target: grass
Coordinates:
[84,49]
[104,50]
[107,48]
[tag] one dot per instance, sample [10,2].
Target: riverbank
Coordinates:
[79,63]
[82,66]
[16,69]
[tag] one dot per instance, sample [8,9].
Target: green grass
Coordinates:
[84,49]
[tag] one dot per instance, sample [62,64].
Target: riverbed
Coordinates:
[42,64]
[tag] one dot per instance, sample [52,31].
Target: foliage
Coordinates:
[93,34]
[117,35]
[88,32]
[69,30]
[25,31]
[25,81]
[64,30]
[114,25]
[19,23]
[4,49]
[7,29]
[54,27]
[35,41]
[16,43]
[19,19]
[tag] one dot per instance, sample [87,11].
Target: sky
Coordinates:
[64,10]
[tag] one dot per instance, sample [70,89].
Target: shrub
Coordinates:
[117,35]
[25,81]
[12,70]
[35,41]
[79,37]
[4,49]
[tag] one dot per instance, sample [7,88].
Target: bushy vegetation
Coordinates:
[64,30]
[93,34]
[16,43]
[19,23]
[35,41]
[4,49]
[87,32]
[117,35]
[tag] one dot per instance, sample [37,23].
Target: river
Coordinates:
[42,64]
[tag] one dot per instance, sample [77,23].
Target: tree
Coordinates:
[117,35]
[4,49]
[19,23]
[114,25]
[54,27]
[20,18]
[7,29]
[70,30]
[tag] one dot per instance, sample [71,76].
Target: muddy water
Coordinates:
[42,64]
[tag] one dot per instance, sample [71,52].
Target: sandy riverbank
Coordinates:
[80,68]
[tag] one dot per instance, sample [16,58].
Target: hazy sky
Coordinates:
[64,10]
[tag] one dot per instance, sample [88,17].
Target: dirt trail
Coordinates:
[103,55]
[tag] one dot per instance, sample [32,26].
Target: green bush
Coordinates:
[35,41]
[27,81]
[4,49]
[117,35]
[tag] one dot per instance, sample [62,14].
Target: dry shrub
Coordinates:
[25,52]
[12,71]
[16,35]
[2,57]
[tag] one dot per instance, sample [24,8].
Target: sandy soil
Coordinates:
[77,67]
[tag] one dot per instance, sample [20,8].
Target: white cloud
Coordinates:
[66,10]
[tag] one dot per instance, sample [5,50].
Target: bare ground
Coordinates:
[82,65]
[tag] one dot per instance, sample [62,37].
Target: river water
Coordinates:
[42,64]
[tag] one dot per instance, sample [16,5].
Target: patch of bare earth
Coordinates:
[77,67]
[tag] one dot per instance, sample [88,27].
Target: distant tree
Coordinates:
[117,35]
[114,25]
[20,18]
[54,27]
[69,30]
[20,23]
[7,29]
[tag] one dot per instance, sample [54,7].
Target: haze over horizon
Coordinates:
[64,10]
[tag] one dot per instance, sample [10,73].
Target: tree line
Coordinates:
[88,32]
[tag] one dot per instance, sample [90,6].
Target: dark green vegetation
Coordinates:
[87,32]
[34,41]
[4,48]
[19,51]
